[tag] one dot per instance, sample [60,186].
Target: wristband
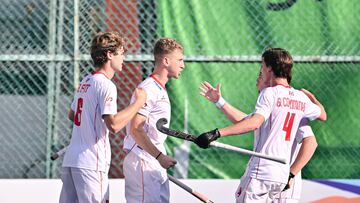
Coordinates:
[158,155]
[220,103]
[291,175]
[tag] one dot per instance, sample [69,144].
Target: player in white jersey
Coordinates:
[276,118]
[94,112]
[146,161]
[303,135]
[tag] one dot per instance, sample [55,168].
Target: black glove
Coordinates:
[203,141]
[287,186]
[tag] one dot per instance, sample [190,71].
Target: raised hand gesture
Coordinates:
[209,92]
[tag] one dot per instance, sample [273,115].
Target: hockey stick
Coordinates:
[162,121]
[198,195]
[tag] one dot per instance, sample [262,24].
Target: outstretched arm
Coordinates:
[244,126]
[214,95]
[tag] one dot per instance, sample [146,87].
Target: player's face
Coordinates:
[175,64]
[265,73]
[260,82]
[118,59]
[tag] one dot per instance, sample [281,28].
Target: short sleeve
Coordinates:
[312,111]
[265,103]
[150,101]
[107,99]
[303,131]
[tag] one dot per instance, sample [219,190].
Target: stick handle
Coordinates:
[198,195]
[245,151]
[58,154]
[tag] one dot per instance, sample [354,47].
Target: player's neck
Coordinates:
[280,81]
[107,71]
[161,75]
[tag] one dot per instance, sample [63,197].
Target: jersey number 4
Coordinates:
[289,121]
[77,119]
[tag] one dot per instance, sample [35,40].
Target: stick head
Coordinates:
[160,123]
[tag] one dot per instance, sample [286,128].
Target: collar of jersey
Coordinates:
[158,82]
[284,86]
[94,73]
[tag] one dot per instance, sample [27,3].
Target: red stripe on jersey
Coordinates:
[246,187]
[142,182]
[97,155]
[94,73]
[284,86]
[96,139]
[157,81]
[101,189]
[258,141]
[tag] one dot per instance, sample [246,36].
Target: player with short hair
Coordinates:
[277,116]
[305,141]
[94,113]
[146,161]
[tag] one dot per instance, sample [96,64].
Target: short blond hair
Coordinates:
[166,46]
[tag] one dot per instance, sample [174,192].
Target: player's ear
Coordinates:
[166,61]
[109,55]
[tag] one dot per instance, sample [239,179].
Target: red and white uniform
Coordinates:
[145,179]
[293,194]
[89,148]
[283,108]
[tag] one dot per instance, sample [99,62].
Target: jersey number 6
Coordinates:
[77,119]
[289,120]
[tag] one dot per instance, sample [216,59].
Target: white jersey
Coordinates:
[157,106]
[283,108]
[89,147]
[304,131]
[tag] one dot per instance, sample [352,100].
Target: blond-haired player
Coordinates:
[94,113]
[146,161]
[278,112]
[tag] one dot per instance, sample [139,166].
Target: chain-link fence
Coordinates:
[44,48]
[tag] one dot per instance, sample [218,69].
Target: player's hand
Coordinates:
[203,141]
[209,92]
[140,95]
[290,181]
[166,161]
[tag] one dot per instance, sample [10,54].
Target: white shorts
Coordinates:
[254,190]
[293,194]
[145,181]
[84,186]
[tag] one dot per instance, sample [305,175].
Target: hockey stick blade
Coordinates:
[160,126]
[196,194]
